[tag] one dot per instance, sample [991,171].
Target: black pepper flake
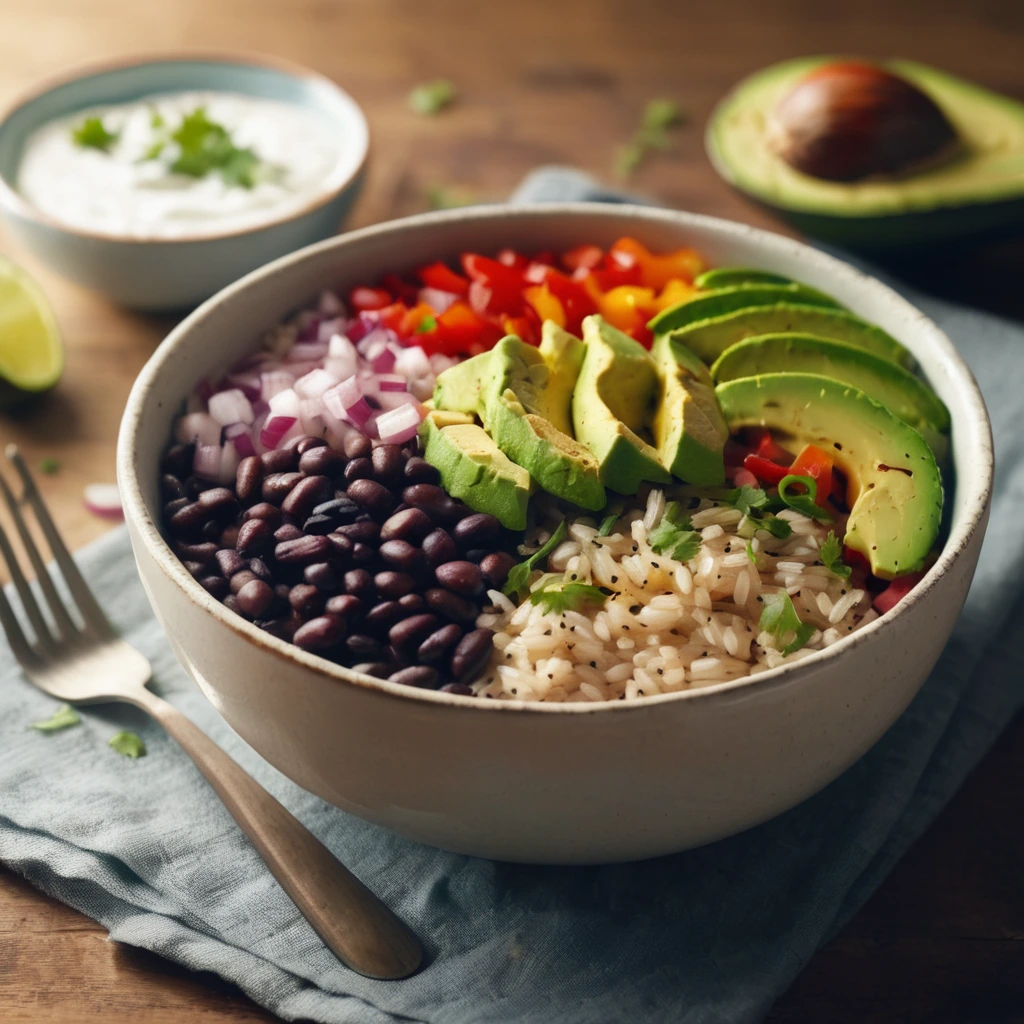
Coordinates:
[633,609]
[655,565]
[514,691]
[615,579]
[626,628]
[547,632]
[593,664]
[561,625]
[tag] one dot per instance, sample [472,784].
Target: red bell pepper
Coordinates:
[583,257]
[363,298]
[513,259]
[896,591]
[765,470]
[440,276]
[494,288]
[817,464]
[404,291]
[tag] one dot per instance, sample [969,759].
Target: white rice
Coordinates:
[666,625]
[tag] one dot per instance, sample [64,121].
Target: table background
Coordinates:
[540,81]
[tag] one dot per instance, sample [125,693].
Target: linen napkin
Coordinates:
[711,935]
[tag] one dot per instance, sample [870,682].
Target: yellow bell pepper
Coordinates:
[627,306]
[547,305]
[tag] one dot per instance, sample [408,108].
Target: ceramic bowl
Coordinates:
[559,783]
[179,272]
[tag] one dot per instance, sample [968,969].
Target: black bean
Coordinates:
[322,575]
[306,495]
[194,486]
[383,616]
[279,460]
[378,669]
[302,550]
[340,510]
[308,444]
[359,583]
[387,463]
[366,647]
[407,635]
[341,547]
[196,569]
[216,586]
[413,603]
[229,536]
[362,554]
[204,552]
[463,578]
[260,570]
[178,460]
[249,479]
[476,555]
[428,497]
[411,524]
[292,445]
[254,599]
[402,555]
[366,530]
[439,548]
[451,606]
[229,562]
[439,643]
[211,531]
[175,506]
[277,486]
[287,532]
[393,585]
[218,501]
[187,519]
[478,530]
[282,628]
[347,607]
[231,603]
[419,471]
[460,688]
[422,676]
[319,524]
[321,633]
[171,487]
[472,653]
[322,461]
[495,568]
[240,579]
[358,469]
[306,600]
[254,537]
[270,514]
[373,497]
[357,446]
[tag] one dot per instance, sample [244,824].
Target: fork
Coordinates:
[88,663]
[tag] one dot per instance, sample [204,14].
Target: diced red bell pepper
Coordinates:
[523,328]
[656,271]
[440,276]
[414,317]
[513,259]
[392,316]
[583,257]
[896,591]
[460,331]
[363,298]
[817,464]
[575,300]
[404,291]
[765,470]
[545,256]
[765,445]
[495,288]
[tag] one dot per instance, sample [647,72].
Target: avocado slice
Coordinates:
[473,468]
[458,388]
[894,488]
[563,352]
[903,394]
[710,338]
[977,194]
[726,300]
[689,430]
[521,403]
[728,277]
[615,397]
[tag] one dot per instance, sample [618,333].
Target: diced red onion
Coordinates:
[393,399]
[249,383]
[200,427]
[372,342]
[328,328]
[311,417]
[384,360]
[399,425]
[238,434]
[315,383]
[366,321]
[206,461]
[275,430]
[343,398]
[391,382]
[230,406]
[423,387]
[204,389]
[329,304]
[103,500]
[274,382]
[307,352]
[439,363]
[743,477]
[285,403]
[436,299]
[230,457]
[412,362]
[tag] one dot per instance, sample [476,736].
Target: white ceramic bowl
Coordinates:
[171,273]
[560,783]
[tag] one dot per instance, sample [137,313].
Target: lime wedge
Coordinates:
[31,353]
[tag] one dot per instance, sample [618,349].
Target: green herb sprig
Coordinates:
[568,597]
[779,618]
[91,133]
[519,575]
[675,535]
[659,117]
[206,146]
[430,98]
[753,503]
[832,556]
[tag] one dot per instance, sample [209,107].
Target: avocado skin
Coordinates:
[894,487]
[729,277]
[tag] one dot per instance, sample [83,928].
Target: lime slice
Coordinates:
[31,353]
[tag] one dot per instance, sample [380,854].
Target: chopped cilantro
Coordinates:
[49,466]
[432,97]
[156,120]
[206,146]
[64,717]
[750,551]
[607,525]
[659,116]
[127,743]
[570,597]
[779,618]
[674,536]
[753,502]
[92,134]
[804,503]
[428,323]
[519,575]
[832,556]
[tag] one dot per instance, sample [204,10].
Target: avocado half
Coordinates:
[977,193]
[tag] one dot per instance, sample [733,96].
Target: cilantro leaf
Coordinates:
[750,551]
[206,146]
[92,134]
[49,466]
[64,717]
[674,535]
[746,499]
[659,116]
[607,525]
[832,556]
[570,597]
[127,743]
[804,503]
[779,618]
[431,98]
[519,575]
[428,323]
[441,198]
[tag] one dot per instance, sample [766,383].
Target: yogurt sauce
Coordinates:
[119,192]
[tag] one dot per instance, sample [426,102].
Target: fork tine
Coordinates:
[43,636]
[91,611]
[15,637]
[64,623]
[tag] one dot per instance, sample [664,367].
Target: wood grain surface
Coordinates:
[540,81]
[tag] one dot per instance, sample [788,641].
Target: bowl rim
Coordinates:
[977,476]
[14,204]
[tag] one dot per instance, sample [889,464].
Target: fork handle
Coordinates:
[353,922]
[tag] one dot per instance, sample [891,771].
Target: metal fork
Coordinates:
[87,664]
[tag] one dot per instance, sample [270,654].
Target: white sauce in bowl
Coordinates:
[121,193]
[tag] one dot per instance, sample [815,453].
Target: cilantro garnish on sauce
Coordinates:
[92,134]
[206,146]
[779,618]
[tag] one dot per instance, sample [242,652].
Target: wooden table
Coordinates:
[540,81]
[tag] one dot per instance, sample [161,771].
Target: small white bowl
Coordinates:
[554,783]
[178,272]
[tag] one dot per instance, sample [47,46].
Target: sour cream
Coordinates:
[121,193]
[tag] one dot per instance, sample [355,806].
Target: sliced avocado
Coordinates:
[448,418]
[520,404]
[729,277]
[473,468]
[741,296]
[710,338]
[899,391]
[979,193]
[689,429]
[563,353]
[894,488]
[615,397]
[458,387]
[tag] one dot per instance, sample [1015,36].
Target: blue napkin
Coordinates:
[711,935]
